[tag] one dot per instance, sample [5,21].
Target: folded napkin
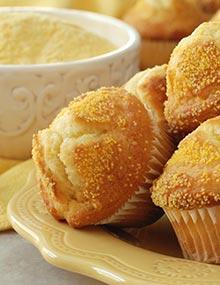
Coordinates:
[11,181]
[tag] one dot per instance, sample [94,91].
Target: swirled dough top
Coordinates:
[32,38]
[193,80]
[191,177]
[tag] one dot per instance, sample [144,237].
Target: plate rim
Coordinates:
[104,270]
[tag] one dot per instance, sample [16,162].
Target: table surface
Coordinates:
[22,264]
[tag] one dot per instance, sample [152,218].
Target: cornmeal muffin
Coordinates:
[161,25]
[189,192]
[193,80]
[97,160]
[149,86]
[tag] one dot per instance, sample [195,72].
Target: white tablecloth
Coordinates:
[22,264]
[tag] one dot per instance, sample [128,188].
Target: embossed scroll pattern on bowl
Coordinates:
[43,103]
[32,95]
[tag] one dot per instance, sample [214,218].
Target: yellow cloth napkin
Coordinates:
[10,182]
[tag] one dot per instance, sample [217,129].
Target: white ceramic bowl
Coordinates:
[31,95]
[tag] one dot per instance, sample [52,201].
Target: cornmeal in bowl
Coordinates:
[34,38]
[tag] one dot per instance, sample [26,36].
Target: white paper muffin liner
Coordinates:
[198,232]
[139,210]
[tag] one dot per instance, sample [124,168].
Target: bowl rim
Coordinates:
[132,43]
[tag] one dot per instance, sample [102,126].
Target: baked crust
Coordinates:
[149,86]
[95,155]
[193,80]
[165,20]
[191,177]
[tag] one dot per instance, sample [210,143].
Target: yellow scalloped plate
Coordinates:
[97,253]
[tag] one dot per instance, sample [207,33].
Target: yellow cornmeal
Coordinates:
[36,38]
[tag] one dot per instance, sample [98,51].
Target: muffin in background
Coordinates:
[97,160]
[161,25]
[193,80]
[189,192]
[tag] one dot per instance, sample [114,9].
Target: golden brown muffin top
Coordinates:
[149,86]
[193,80]
[94,155]
[191,178]
[165,19]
